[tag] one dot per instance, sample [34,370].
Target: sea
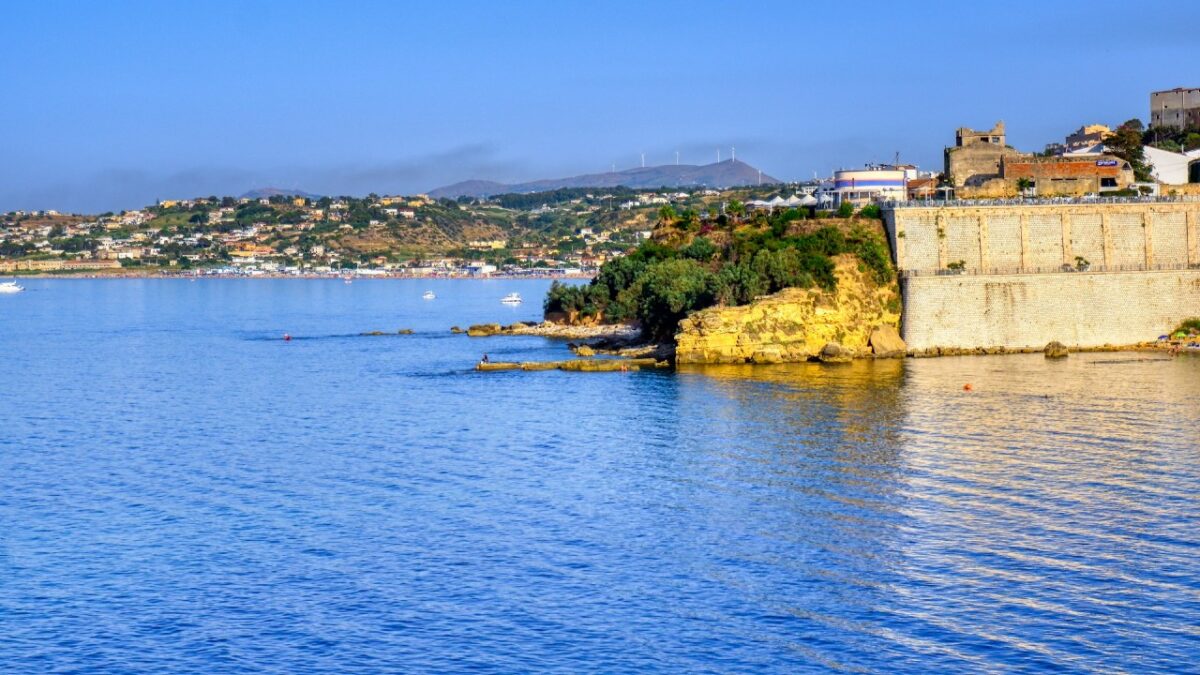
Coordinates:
[184,491]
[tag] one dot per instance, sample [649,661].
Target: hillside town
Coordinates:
[572,231]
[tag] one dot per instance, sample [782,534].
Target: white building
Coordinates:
[1173,168]
[866,185]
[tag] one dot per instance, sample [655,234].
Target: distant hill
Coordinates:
[725,174]
[277,192]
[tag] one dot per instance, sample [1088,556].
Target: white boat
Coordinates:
[10,287]
[428,295]
[511,299]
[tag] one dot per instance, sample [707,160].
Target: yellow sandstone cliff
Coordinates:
[794,324]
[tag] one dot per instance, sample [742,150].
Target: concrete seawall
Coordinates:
[1087,275]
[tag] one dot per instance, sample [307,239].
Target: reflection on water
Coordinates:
[1045,519]
[181,490]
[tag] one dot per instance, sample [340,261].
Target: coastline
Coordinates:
[329,277]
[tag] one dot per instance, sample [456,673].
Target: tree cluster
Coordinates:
[657,285]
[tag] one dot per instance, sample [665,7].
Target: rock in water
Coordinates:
[484,329]
[404,331]
[886,342]
[833,352]
[1056,350]
[455,329]
[584,350]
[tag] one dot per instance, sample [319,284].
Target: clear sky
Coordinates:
[111,105]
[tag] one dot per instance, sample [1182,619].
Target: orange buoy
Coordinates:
[968,387]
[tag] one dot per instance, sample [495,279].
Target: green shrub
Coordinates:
[871,211]
[845,210]
[670,290]
[738,284]
[701,249]
[1188,326]
[872,252]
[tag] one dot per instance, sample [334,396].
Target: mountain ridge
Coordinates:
[259,193]
[728,173]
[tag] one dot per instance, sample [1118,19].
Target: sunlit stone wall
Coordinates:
[1082,274]
[1085,309]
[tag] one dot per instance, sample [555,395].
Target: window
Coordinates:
[1108,182]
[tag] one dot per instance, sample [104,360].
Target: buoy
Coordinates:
[968,387]
[287,337]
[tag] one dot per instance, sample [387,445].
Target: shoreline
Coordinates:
[311,277]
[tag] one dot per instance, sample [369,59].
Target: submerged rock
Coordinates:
[497,365]
[1056,350]
[578,365]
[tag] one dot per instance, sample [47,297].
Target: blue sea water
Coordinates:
[183,491]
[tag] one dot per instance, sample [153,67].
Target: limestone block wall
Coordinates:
[1084,309]
[1038,238]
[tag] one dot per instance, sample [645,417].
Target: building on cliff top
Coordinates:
[1177,108]
[1068,175]
[982,166]
[976,156]
[1085,139]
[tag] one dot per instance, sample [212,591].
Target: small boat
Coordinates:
[428,295]
[511,299]
[10,287]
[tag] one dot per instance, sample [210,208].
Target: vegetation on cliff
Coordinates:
[695,262]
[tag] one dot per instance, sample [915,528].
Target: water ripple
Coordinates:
[182,491]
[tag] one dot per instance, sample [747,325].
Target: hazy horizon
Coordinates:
[116,106]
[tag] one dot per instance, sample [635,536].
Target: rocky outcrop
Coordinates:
[556,330]
[833,352]
[485,329]
[793,324]
[886,343]
[1056,350]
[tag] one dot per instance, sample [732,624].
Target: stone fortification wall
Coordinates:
[1085,309]
[1086,274]
[1035,238]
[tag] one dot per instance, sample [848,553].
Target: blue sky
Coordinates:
[111,105]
